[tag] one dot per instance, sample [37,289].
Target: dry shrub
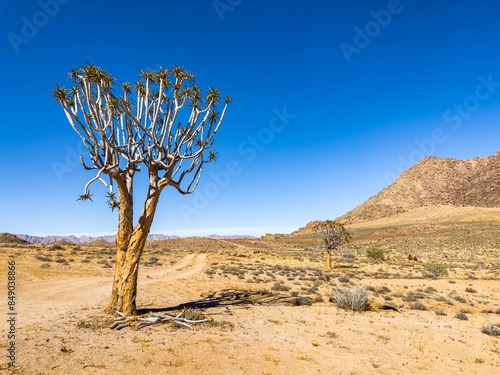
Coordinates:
[301,301]
[193,314]
[354,299]
[418,306]
[461,316]
[492,330]
[278,286]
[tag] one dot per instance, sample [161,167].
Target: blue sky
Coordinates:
[332,100]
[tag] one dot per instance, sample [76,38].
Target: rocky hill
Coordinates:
[10,238]
[99,242]
[435,182]
[311,227]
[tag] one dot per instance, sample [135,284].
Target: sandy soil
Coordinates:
[62,328]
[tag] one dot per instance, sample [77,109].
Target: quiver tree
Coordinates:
[126,127]
[333,236]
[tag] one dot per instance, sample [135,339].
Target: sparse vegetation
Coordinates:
[296,307]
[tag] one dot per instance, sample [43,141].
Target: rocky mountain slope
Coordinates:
[435,182]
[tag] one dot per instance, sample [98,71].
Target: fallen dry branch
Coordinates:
[125,321]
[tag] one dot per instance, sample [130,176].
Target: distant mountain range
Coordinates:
[84,239]
[110,238]
[218,237]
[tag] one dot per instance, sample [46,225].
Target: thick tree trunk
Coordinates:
[328,265]
[126,287]
[130,245]
[125,229]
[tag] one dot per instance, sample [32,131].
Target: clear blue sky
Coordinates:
[361,82]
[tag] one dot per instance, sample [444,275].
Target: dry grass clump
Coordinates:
[458,298]
[278,286]
[193,314]
[355,299]
[301,301]
[462,316]
[418,306]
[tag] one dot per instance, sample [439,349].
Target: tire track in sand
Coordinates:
[188,267]
[68,293]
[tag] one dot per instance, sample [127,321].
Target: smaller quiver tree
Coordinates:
[333,236]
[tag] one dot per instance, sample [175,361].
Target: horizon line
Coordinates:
[199,232]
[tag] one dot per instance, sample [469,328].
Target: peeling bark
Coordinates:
[125,229]
[130,246]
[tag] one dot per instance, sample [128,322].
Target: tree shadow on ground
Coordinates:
[227,298]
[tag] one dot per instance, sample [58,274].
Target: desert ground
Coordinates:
[274,293]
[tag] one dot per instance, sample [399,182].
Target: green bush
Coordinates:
[375,253]
[436,269]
